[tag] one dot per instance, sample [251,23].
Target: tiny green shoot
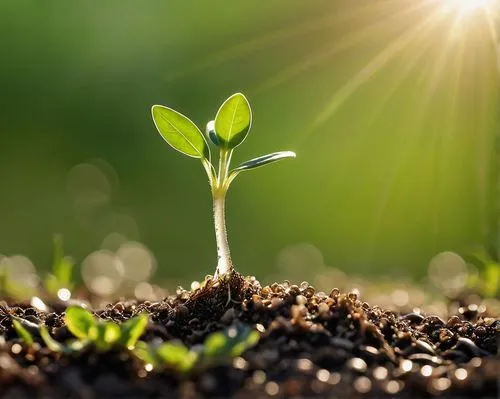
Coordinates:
[230,343]
[22,331]
[229,129]
[219,347]
[62,269]
[51,343]
[485,273]
[104,335]
[173,355]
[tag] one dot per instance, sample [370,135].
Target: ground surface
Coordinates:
[312,345]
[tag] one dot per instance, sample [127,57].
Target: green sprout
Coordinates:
[229,343]
[219,347]
[62,268]
[104,335]
[23,328]
[230,127]
[173,355]
[485,273]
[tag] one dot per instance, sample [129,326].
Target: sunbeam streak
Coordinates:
[270,39]
[466,6]
[373,67]
[405,146]
[337,46]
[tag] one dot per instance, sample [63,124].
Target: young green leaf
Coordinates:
[108,334]
[112,333]
[233,121]
[132,329]
[51,284]
[231,342]
[491,279]
[58,255]
[146,353]
[180,132]
[63,271]
[77,345]
[62,268]
[215,344]
[51,343]
[22,332]
[81,323]
[250,340]
[264,160]
[177,356]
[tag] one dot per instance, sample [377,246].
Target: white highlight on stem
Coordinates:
[224,263]
[219,190]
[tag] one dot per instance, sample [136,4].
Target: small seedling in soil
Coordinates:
[486,278]
[229,343]
[62,269]
[22,326]
[173,355]
[229,129]
[219,347]
[102,335]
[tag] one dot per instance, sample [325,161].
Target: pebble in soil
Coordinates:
[312,345]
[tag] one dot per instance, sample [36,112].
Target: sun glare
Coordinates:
[473,4]
[468,5]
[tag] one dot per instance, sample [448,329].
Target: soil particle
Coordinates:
[312,345]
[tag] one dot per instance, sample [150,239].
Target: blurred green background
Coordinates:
[391,106]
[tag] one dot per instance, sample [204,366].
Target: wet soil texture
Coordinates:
[312,344]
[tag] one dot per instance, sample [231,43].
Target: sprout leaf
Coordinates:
[107,334]
[264,160]
[51,343]
[233,121]
[132,329]
[111,333]
[81,323]
[177,356]
[491,279]
[22,332]
[146,353]
[231,342]
[215,344]
[180,132]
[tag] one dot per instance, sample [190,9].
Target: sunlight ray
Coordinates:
[251,46]
[266,40]
[489,15]
[341,44]
[434,82]
[441,142]
[439,66]
[438,154]
[401,155]
[372,67]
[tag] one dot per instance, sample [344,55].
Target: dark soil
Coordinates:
[312,345]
